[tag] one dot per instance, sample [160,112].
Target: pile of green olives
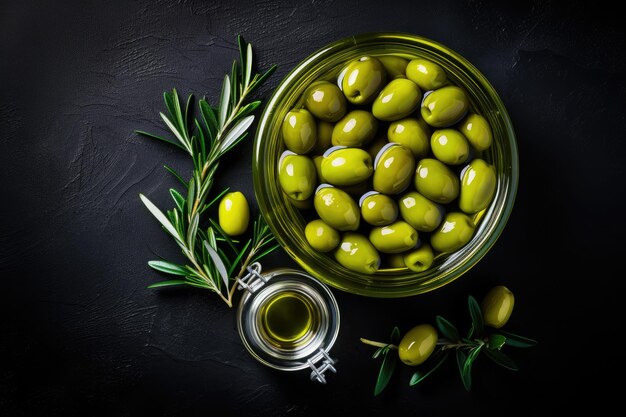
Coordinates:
[387,164]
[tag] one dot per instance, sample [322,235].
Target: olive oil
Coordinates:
[287,319]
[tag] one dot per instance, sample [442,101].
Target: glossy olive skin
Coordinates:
[234,213]
[346,166]
[324,137]
[325,101]
[420,259]
[397,100]
[411,133]
[394,65]
[297,176]
[321,236]
[299,204]
[426,74]
[418,344]
[435,181]
[477,131]
[363,79]
[379,209]
[356,253]
[355,129]
[299,131]
[497,306]
[478,186]
[337,209]
[456,230]
[450,146]
[445,106]
[420,212]
[397,237]
[395,260]
[393,169]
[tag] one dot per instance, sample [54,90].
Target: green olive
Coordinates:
[321,236]
[426,74]
[478,186]
[420,212]
[363,79]
[393,169]
[397,237]
[477,131]
[418,344]
[297,175]
[497,306]
[411,133]
[336,208]
[346,166]
[450,146]
[397,100]
[435,181]
[299,131]
[394,65]
[325,101]
[324,137]
[456,230]
[356,253]
[420,259]
[378,209]
[445,106]
[395,260]
[299,204]
[355,129]
[317,161]
[234,213]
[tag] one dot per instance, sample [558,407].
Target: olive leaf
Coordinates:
[386,371]
[476,314]
[466,373]
[168,267]
[501,359]
[517,341]
[420,376]
[460,361]
[447,329]
[496,341]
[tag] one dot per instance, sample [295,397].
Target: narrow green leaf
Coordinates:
[386,371]
[377,353]
[419,376]
[461,357]
[210,120]
[178,115]
[224,101]
[234,84]
[219,196]
[248,108]
[168,267]
[179,200]
[258,81]
[477,315]
[470,333]
[176,133]
[201,139]
[265,253]
[191,232]
[466,376]
[150,135]
[169,103]
[169,283]
[238,258]
[242,46]
[517,341]
[248,65]
[160,217]
[188,112]
[217,261]
[234,134]
[234,143]
[501,359]
[447,329]
[176,175]
[496,341]
[191,195]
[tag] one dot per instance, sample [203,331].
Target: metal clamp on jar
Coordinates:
[288,320]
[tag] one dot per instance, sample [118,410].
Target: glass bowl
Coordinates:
[287,222]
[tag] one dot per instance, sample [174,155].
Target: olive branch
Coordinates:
[207,139]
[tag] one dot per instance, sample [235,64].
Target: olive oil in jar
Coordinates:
[288,319]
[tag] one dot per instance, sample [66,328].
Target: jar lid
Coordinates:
[288,320]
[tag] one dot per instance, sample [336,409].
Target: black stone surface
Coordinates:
[81,335]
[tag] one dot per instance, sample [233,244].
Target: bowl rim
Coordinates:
[501,212]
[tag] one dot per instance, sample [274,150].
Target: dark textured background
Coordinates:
[80,333]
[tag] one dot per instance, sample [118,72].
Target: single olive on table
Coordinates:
[400,138]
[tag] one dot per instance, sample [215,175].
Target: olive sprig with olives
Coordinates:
[207,138]
[429,347]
